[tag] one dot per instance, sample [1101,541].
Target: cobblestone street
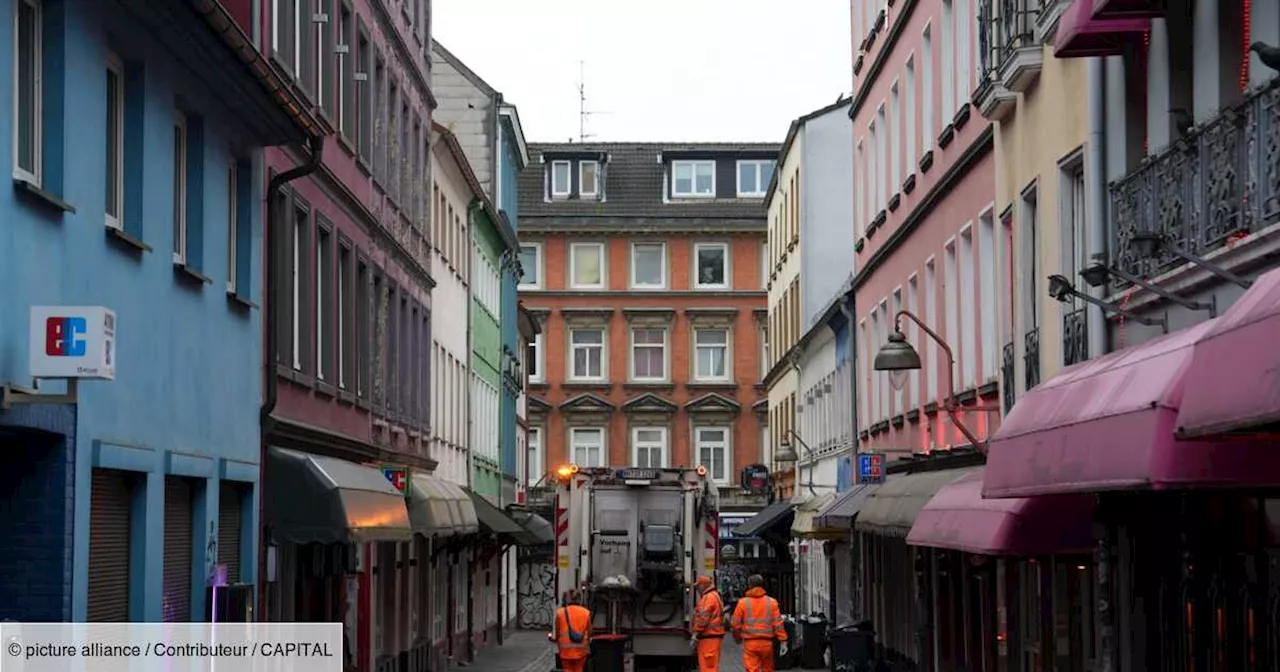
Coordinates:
[523,651]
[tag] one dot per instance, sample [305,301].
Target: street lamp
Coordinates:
[786,454]
[899,358]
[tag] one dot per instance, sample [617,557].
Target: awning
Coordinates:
[431,507]
[1233,382]
[842,512]
[959,518]
[805,523]
[492,519]
[1082,36]
[776,515]
[893,507]
[537,530]
[312,498]
[1127,9]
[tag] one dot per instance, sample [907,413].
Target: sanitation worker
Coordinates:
[572,633]
[757,624]
[708,625]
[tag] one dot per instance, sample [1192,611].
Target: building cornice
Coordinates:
[533,294]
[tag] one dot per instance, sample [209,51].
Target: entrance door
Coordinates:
[109,529]
[177,550]
[230,503]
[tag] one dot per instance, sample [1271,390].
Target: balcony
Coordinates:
[1006,377]
[1219,182]
[1075,337]
[1031,358]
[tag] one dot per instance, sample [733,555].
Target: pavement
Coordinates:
[521,651]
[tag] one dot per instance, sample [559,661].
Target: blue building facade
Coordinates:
[512,157]
[136,188]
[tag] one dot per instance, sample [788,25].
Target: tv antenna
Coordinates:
[583,112]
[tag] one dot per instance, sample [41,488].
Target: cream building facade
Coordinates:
[783,272]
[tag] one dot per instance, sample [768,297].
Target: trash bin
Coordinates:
[607,653]
[813,642]
[852,649]
[788,661]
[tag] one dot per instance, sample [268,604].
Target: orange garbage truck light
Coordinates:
[702,470]
[566,471]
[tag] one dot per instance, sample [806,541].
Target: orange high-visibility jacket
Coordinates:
[708,616]
[579,618]
[757,616]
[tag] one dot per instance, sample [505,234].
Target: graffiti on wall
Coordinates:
[537,594]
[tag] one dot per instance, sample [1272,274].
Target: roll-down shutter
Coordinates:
[177,550]
[230,503]
[109,520]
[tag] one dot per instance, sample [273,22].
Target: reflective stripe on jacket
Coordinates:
[577,619]
[708,616]
[757,616]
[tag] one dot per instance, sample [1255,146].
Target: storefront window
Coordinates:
[1029,614]
[1081,602]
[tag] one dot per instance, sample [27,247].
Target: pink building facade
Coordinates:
[926,228]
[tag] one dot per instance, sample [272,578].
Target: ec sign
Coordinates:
[398,477]
[72,342]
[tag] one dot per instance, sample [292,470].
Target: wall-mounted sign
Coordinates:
[72,342]
[398,477]
[730,522]
[755,478]
[871,467]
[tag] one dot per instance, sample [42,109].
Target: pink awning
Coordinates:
[1233,382]
[1081,36]
[1107,424]
[958,518]
[1127,9]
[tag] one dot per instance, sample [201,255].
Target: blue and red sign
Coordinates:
[398,477]
[64,336]
[871,468]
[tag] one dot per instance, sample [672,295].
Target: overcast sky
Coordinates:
[656,70]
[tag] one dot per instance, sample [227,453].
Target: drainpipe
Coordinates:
[1096,193]
[271,394]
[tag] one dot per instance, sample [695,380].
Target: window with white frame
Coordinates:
[987,291]
[530,266]
[909,113]
[533,359]
[179,188]
[712,353]
[586,265]
[882,159]
[926,89]
[874,175]
[894,130]
[649,447]
[713,451]
[968,330]
[648,354]
[931,317]
[764,351]
[533,444]
[587,445]
[115,142]
[754,177]
[648,265]
[866,351]
[948,60]
[587,354]
[561,178]
[588,178]
[764,264]
[28,98]
[711,265]
[233,223]
[693,178]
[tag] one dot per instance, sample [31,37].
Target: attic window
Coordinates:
[754,177]
[560,183]
[693,178]
[588,178]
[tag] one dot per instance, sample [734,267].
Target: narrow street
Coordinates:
[521,651]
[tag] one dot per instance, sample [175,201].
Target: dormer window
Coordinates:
[588,179]
[753,178]
[693,179]
[561,184]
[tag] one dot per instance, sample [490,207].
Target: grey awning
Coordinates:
[804,525]
[893,507]
[311,498]
[777,515]
[537,530]
[842,512]
[492,519]
[432,509]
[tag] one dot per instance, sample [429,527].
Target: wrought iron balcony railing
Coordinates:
[1002,34]
[1075,338]
[1031,358]
[1219,181]
[1006,376]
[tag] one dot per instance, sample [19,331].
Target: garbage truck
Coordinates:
[632,541]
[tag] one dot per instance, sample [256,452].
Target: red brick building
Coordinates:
[643,264]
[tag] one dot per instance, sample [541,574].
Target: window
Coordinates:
[882,157]
[345,82]
[588,178]
[713,451]
[874,176]
[968,330]
[926,89]
[324,307]
[362,328]
[533,359]
[913,336]
[894,130]
[648,265]
[964,62]
[346,316]
[931,317]
[764,352]
[587,350]
[948,59]
[533,443]
[115,142]
[179,188]
[986,264]
[1030,253]
[712,350]
[711,265]
[764,265]
[588,446]
[28,134]
[693,178]
[649,447]
[754,177]
[866,350]
[530,266]
[560,175]
[909,114]
[298,279]
[323,47]
[861,194]
[951,301]
[648,354]
[233,223]
[364,96]
[586,261]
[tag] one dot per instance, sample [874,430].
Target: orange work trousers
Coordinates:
[709,654]
[573,664]
[757,655]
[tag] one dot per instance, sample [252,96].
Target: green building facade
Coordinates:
[489,247]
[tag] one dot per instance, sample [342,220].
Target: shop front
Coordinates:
[771,526]
[498,532]
[815,589]
[837,519]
